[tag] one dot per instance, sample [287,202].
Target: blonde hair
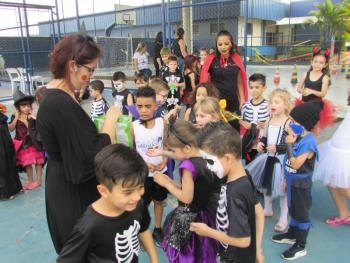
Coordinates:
[209,105]
[284,95]
[140,46]
[158,85]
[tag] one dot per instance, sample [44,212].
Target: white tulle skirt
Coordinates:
[257,168]
[333,167]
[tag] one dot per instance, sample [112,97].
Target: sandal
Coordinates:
[336,221]
[281,227]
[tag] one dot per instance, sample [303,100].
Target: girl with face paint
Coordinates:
[195,194]
[266,169]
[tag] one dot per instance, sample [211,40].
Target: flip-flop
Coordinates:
[280,227]
[336,221]
[268,214]
[26,186]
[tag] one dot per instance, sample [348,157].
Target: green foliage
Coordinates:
[332,20]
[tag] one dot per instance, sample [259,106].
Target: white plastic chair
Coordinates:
[33,80]
[16,78]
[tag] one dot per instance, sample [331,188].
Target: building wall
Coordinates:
[256,38]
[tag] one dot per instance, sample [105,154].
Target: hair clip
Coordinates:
[316,50]
[328,52]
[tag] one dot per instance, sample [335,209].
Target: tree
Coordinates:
[333,20]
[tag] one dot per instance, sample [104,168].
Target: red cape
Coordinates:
[205,76]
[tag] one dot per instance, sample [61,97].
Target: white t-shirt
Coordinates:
[142,60]
[146,138]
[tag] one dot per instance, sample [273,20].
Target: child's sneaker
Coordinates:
[157,236]
[285,238]
[294,252]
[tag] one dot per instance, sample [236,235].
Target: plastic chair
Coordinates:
[16,78]
[33,80]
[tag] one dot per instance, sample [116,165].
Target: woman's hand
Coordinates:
[200,229]
[307,92]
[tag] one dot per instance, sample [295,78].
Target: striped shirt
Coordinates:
[255,113]
[99,107]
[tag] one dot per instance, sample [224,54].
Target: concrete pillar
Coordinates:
[187,24]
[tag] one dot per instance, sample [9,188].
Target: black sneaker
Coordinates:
[294,252]
[285,238]
[157,236]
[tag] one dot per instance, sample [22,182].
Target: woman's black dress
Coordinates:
[71,141]
[10,183]
[225,80]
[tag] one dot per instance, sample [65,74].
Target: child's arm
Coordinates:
[259,223]
[193,80]
[12,125]
[324,89]
[129,100]
[75,249]
[148,243]
[184,193]
[262,143]
[187,114]
[202,229]
[136,65]
[296,161]
[300,88]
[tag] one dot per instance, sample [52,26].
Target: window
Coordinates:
[195,29]
[216,27]
[250,29]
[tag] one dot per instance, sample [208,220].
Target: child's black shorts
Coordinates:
[154,191]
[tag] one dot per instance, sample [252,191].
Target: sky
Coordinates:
[10,18]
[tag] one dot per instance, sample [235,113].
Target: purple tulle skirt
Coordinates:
[198,249]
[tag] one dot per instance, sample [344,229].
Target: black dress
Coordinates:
[71,141]
[157,47]
[9,179]
[225,79]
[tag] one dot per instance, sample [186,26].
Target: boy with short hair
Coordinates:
[299,163]
[121,95]
[164,53]
[176,82]
[254,114]
[141,80]
[99,105]
[162,91]
[240,217]
[110,228]
[148,133]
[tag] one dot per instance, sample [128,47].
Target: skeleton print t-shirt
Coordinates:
[236,217]
[99,238]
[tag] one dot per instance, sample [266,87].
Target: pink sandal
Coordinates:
[336,221]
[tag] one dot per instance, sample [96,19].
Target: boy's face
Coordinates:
[256,89]
[172,66]
[217,165]
[140,83]
[162,96]
[94,93]
[123,197]
[118,84]
[146,106]
[165,58]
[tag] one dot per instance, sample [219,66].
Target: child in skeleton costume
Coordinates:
[298,167]
[334,171]
[121,95]
[111,227]
[195,194]
[239,217]
[266,169]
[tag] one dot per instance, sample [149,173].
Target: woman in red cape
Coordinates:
[226,71]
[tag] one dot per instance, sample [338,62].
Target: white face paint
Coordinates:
[119,85]
[213,164]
